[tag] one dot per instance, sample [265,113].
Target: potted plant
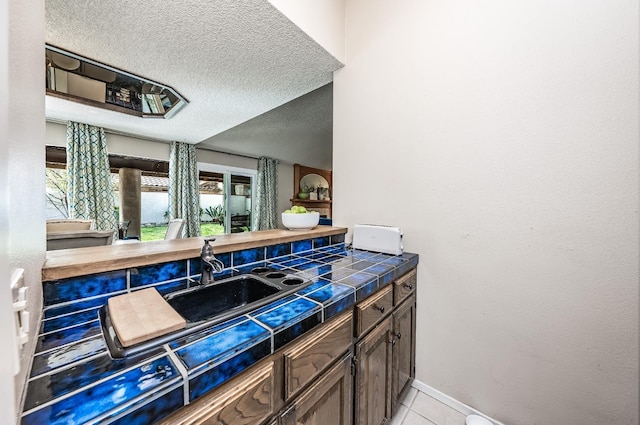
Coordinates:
[304,192]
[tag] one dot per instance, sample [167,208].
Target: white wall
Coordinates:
[503,139]
[24,161]
[322,20]
[7,332]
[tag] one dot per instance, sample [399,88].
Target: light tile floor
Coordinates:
[420,409]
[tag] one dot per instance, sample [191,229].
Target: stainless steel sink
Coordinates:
[206,305]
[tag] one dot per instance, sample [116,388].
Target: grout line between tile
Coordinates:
[183,372]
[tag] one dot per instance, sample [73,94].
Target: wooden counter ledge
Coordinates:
[65,263]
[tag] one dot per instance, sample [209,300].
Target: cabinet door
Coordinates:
[307,358]
[403,342]
[248,401]
[373,378]
[326,402]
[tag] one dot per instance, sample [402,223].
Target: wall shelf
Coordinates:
[323,206]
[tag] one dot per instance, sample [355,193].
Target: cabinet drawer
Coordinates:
[370,311]
[404,286]
[308,358]
[248,401]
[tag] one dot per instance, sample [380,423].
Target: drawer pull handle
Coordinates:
[408,286]
[399,335]
[381,308]
[393,342]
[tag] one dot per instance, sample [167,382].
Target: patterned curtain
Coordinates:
[184,187]
[266,211]
[89,190]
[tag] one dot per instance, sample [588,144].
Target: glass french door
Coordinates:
[239,203]
[232,198]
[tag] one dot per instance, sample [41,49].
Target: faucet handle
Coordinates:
[206,241]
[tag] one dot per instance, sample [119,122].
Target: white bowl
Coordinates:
[305,221]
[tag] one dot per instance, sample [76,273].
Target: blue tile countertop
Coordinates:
[74,380]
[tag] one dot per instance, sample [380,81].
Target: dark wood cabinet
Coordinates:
[373,377]
[385,355]
[327,401]
[403,350]
[246,401]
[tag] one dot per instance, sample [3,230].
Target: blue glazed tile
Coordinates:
[337,239]
[307,265]
[329,293]
[222,345]
[68,354]
[91,402]
[339,306]
[57,323]
[210,379]
[48,387]
[364,283]
[278,250]
[225,257]
[272,305]
[311,255]
[195,266]
[320,242]
[248,268]
[344,261]
[365,290]
[69,335]
[178,343]
[289,312]
[363,255]
[282,259]
[373,268]
[336,250]
[153,411]
[412,258]
[76,288]
[337,274]
[395,261]
[277,266]
[315,272]
[386,278]
[292,263]
[248,256]
[156,273]
[296,329]
[407,265]
[169,287]
[51,312]
[317,283]
[325,257]
[300,246]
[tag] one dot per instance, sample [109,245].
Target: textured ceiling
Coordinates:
[233,61]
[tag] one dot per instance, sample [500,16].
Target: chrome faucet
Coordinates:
[209,263]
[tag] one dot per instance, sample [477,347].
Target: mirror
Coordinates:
[314,180]
[84,80]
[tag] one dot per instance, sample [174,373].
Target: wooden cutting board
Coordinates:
[143,315]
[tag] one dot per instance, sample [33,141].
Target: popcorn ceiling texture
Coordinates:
[233,61]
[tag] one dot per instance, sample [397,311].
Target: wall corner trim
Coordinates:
[450,401]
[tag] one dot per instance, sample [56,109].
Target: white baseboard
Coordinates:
[450,401]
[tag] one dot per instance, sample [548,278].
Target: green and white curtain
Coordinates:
[89,189]
[266,210]
[184,187]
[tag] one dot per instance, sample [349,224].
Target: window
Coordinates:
[219,213]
